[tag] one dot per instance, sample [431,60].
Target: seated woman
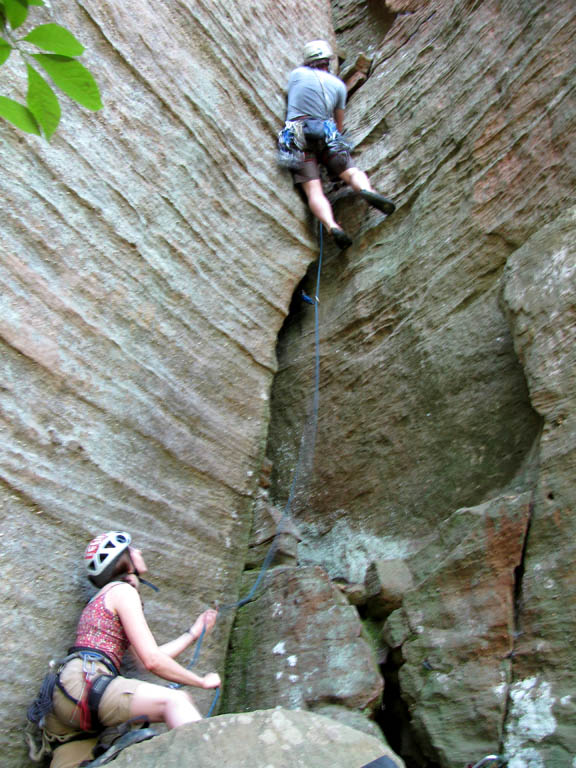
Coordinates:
[90,694]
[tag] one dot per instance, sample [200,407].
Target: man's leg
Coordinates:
[360,183]
[319,203]
[321,208]
[356,179]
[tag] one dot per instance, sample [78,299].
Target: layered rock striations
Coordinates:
[149,256]
[447,374]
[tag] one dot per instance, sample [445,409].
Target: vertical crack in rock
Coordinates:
[393,716]
[518,607]
[519,576]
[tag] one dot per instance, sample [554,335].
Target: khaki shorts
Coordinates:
[71,755]
[114,707]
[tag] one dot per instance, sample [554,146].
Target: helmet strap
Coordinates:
[147,583]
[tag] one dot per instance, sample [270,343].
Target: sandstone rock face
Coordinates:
[387,582]
[459,627]
[149,255]
[148,258]
[300,645]
[278,738]
[540,285]
[438,393]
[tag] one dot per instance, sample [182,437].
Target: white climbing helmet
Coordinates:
[104,549]
[316,50]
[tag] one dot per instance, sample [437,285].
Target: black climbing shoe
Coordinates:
[378,201]
[340,238]
[126,740]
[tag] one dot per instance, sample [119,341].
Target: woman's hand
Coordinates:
[206,619]
[211,680]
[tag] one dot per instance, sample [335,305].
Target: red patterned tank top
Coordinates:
[102,630]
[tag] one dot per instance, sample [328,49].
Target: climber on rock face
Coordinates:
[88,694]
[316,100]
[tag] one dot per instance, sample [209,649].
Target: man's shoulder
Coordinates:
[299,72]
[334,79]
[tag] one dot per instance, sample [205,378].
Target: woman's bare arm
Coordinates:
[175,647]
[125,601]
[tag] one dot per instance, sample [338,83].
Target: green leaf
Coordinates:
[18,115]
[72,78]
[16,12]
[53,37]
[36,2]
[5,50]
[42,102]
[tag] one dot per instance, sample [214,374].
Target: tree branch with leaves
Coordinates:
[47,50]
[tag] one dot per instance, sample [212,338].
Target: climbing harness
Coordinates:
[291,143]
[93,691]
[88,705]
[312,135]
[42,704]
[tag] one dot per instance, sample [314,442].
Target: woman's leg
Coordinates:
[72,754]
[159,704]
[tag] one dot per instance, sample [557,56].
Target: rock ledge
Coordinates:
[272,738]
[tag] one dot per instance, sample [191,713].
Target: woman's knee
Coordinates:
[180,710]
[151,701]
[179,699]
[155,701]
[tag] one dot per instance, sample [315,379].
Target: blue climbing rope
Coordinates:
[305,455]
[307,442]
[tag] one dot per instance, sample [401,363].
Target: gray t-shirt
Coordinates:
[315,93]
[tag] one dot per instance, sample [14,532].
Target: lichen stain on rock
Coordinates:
[530,721]
[346,552]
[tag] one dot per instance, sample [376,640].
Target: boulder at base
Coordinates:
[271,738]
